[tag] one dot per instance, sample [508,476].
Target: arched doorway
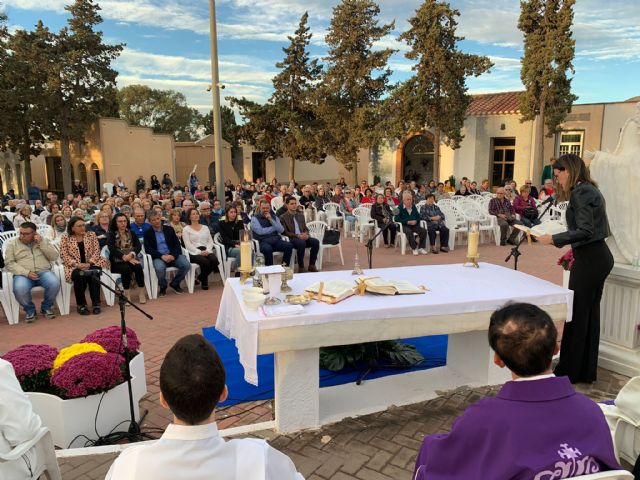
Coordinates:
[418,159]
[82,172]
[212,173]
[97,186]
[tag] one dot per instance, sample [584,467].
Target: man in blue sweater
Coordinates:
[266,228]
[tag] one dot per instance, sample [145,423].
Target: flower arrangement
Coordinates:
[91,366]
[567,260]
[68,353]
[110,338]
[33,365]
[88,373]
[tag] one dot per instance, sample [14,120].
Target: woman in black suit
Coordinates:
[587,230]
[381,212]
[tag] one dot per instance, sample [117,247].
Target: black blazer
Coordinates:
[377,213]
[230,233]
[586,218]
[151,245]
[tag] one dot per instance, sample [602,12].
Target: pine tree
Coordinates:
[25,108]
[81,84]
[4,83]
[229,125]
[287,125]
[549,50]
[436,96]
[355,79]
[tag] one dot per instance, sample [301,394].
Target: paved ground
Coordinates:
[376,446]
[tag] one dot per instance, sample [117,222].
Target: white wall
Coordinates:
[615,116]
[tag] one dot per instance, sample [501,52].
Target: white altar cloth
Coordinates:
[454,290]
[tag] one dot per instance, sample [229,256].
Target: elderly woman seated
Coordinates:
[409,217]
[525,206]
[383,215]
[25,214]
[80,253]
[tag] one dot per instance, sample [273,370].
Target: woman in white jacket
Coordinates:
[198,242]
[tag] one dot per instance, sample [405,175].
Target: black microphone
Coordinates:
[549,199]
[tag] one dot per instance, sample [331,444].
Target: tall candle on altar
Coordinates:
[474,239]
[245,251]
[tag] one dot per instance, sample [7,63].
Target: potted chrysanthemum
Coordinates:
[80,392]
[566,262]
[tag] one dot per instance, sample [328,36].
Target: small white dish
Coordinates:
[250,291]
[254,301]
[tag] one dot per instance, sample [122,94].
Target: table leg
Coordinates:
[470,355]
[297,385]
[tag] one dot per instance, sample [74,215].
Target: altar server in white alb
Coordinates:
[18,424]
[192,382]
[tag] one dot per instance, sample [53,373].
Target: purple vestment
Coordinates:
[534,430]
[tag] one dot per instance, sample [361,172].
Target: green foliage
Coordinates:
[549,49]
[452,180]
[165,111]
[373,354]
[81,85]
[355,79]
[229,126]
[436,95]
[287,125]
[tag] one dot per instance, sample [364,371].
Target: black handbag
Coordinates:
[530,213]
[331,237]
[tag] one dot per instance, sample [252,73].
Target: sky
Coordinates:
[167,42]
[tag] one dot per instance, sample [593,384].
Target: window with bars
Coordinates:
[571,142]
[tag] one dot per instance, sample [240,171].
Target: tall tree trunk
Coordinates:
[355,172]
[292,168]
[25,155]
[539,140]
[66,164]
[436,155]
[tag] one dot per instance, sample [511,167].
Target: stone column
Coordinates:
[620,320]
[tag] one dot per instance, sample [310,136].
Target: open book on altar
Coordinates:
[545,228]
[390,287]
[331,291]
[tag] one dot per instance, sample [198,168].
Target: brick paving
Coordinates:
[378,446]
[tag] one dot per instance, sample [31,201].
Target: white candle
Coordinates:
[472,248]
[245,256]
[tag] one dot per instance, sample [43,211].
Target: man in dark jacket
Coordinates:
[296,229]
[161,242]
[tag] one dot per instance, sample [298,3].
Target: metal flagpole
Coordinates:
[215,89]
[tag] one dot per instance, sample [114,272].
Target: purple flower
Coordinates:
[88,373]
[110,338]
[567,260]
[32,364]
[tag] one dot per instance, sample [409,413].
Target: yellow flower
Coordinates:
[73,350]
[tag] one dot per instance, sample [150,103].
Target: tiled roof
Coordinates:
[495,104]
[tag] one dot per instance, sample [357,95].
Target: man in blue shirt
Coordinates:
[139,226]
[266,228]
[161,242]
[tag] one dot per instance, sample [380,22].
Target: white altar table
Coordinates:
[459,303]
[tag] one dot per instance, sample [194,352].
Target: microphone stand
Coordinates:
[515,252]
[550,204]
[370,242]
[134,432]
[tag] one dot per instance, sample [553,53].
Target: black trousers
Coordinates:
[80,284]
[207,265]
[433,228]
[389,235]
[581,336]
[410,231]
[126,271]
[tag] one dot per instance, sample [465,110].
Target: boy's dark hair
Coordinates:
[524,337]
[192,378]
[429,195]
[29,225]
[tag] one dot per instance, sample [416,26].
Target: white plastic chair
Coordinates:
[455,222]
[488,223]
[331,210]
[5,300]
[7,284]
[276,203]
[226,263]
[317,229]
[364,223]
[108,187]
[9,215]
[44,230]
[45,454]
[610,475]
[190,279]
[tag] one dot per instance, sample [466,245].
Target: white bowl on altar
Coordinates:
[254,300]
[252,291]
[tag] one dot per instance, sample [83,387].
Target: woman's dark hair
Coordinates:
[524,337]
[192,379]
[166,175]
[153,177]
[230,207]
[113,226]
[187,215]
[577,170]
[368,190]
[72,223]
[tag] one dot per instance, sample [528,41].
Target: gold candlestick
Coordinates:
[245,273]
[472,261]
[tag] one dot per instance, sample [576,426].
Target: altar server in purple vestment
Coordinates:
[536,428]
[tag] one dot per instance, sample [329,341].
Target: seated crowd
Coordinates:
[536,427]
[111,230]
